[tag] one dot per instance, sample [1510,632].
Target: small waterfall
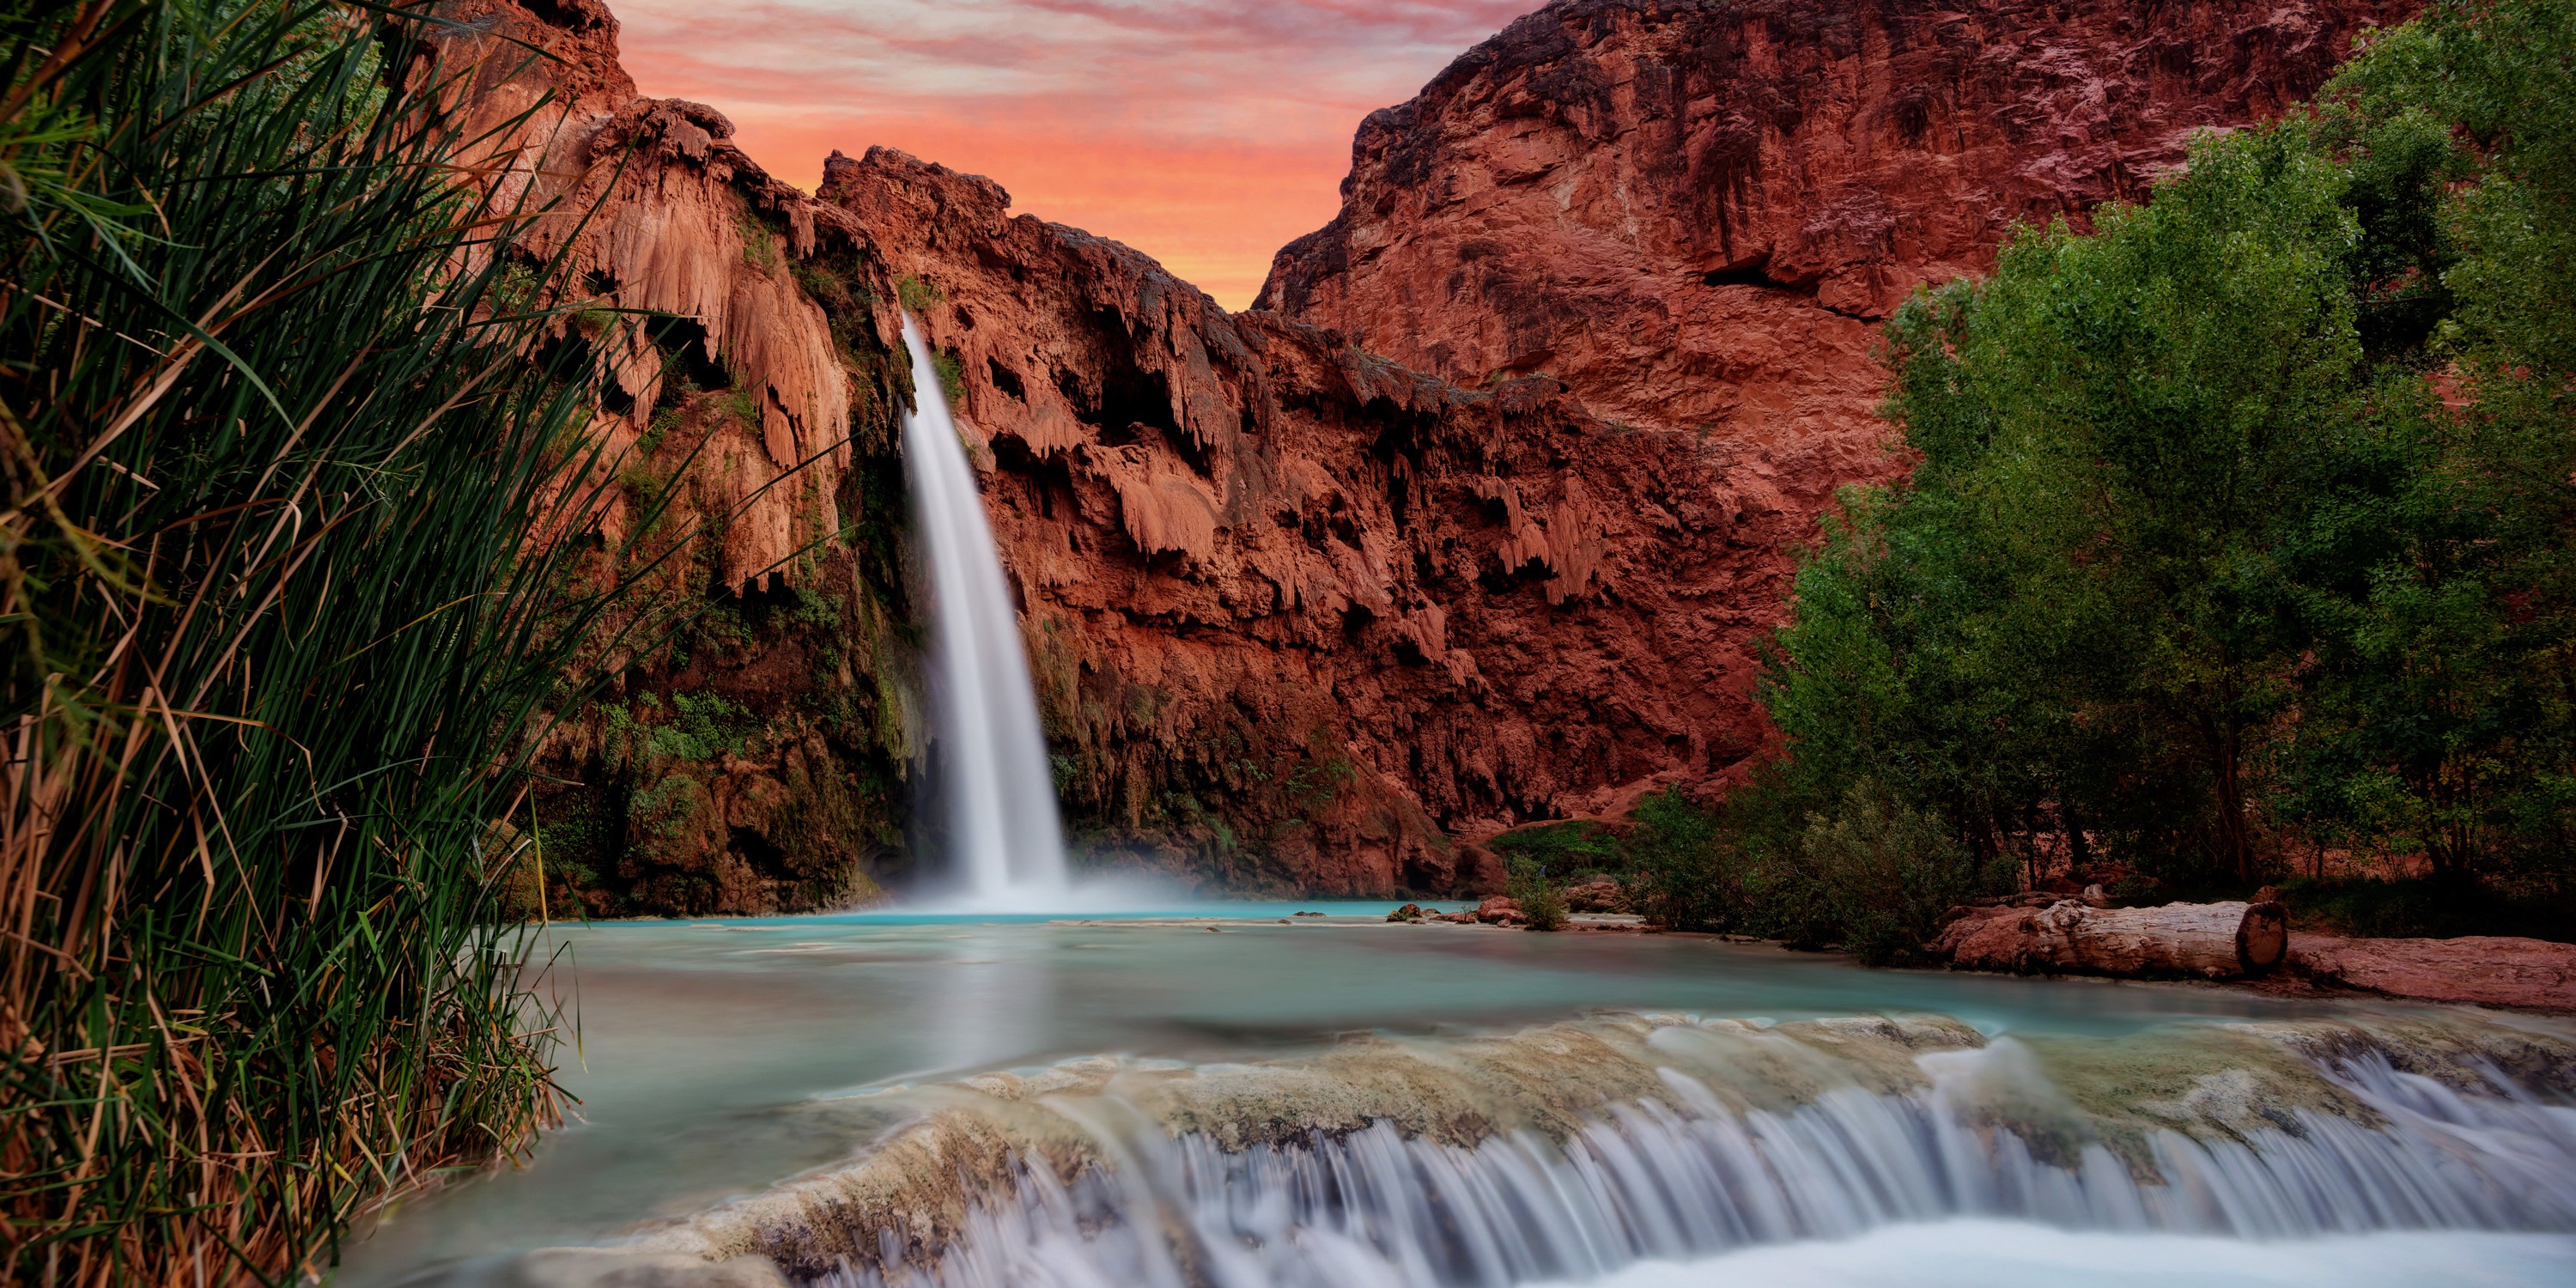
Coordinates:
[1650,1183]
[1475,1164]
[1007,842]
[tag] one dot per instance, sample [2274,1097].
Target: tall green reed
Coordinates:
[296,557]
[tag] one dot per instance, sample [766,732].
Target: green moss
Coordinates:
[742,402]
[952,374]
[918,293]
[1563,849]
[759,244]
[704,726]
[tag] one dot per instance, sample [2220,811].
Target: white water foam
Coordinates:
[2002,1254]
[1005,839]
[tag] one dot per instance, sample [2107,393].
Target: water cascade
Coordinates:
[1469,1166]
[1002,825]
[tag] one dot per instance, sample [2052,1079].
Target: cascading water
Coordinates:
[1003,831]
[1396,1167]
[1645,1182]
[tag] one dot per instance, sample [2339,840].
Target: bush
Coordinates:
[1537,894]
[1867,871]
[1563,849]
[1877,876]
[297,567]
[1681,876]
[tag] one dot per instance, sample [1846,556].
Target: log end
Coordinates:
[2263,937]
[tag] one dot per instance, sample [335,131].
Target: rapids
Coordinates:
[924,1102]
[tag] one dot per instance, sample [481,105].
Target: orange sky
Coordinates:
[1206,133]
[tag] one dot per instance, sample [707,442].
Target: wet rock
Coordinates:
[1409,912]
[1500,910]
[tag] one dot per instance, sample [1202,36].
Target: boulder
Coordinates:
[1599,895]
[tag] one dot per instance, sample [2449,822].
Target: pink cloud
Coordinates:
[1206,133]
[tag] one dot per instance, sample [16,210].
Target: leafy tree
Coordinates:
[2436,577]
[2248,507]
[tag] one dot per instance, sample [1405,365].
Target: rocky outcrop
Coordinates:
[749,752]
[1693,214]
[682,247]
[2489,970]
[1669,205]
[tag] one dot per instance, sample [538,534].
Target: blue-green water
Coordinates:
[688,1043]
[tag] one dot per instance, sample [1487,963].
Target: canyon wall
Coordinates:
[751,748]
[1292,606]
[1476,522]
[1695,214]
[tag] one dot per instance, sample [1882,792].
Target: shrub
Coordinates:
[1877,875]
[1681,872]
[917,293]
[1563,849]
[1537,894]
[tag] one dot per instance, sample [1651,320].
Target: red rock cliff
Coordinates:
[1490,543]
[1295,604]
[1297,611]
[1694,213]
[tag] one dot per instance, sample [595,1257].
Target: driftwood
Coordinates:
[2210,940]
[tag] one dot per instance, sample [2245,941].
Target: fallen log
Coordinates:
[2210,940]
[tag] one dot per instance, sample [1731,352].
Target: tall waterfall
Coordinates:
[1003,832]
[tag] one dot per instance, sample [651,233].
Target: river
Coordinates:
[1335,1100]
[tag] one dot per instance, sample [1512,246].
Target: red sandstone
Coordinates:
[1481,521]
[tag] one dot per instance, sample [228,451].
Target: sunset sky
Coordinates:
[1206,133]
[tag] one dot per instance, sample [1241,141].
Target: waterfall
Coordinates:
[1646,1182]
[1452,1164]
[1003,833]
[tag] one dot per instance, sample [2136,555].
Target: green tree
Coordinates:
[2248,507]
[2435,574]
[2078,594]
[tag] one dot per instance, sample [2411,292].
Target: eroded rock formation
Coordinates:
[751,759]
[1695,214]
[1289,601]
[1476,524]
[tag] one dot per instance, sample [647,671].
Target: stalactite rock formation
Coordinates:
[657,211]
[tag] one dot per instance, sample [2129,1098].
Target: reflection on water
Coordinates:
[696,1040]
